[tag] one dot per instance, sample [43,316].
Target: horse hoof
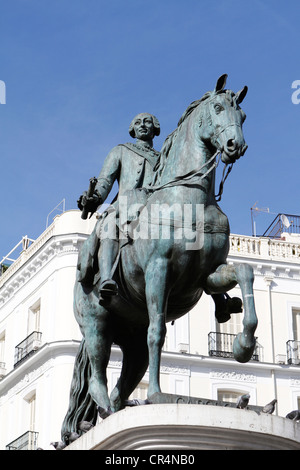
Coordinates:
[104,413]
[242,352]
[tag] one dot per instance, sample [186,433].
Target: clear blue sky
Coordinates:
[77,72]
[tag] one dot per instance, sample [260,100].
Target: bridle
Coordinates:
[188,178]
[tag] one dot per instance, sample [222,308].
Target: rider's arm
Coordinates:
[108,174]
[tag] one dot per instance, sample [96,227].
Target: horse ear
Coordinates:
[221,82]
[241,95]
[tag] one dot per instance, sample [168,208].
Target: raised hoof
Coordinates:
[241,352]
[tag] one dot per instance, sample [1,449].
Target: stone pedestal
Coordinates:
[187,427]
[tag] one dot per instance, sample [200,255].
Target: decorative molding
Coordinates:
[27,379]
[295,382]
[232,376]
[58,245]
[173,369]
[164,368]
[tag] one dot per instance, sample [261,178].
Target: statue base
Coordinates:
[159,398]
[185,427]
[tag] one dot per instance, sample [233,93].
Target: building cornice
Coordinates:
[184,362]
[36,364]
[24,270]
[171,362]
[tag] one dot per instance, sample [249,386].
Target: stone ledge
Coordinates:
[190,427]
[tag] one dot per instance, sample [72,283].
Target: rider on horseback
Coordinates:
[132,165]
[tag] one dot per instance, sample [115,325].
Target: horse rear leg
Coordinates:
[98,339]
[225,278]
[156,277]
[134,366]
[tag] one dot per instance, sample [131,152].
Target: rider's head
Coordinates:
[144,126]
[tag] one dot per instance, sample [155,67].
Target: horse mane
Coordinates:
[168,143]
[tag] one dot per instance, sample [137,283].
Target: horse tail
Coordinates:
[81,405]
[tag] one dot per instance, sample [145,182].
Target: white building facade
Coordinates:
[39,336]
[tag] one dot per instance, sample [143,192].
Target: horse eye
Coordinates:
[218,108]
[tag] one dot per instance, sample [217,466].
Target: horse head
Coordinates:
[222,119]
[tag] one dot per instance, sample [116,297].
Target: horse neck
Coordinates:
[187,153]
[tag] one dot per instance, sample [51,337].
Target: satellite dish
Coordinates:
[285,221]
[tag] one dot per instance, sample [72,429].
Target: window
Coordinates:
[296,324]
[232,326]
[140,392]
[30,401]
[2,347]
[31,404]
[33,321]
[2,355]
[229,395]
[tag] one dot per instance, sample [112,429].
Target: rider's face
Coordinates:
[143,127]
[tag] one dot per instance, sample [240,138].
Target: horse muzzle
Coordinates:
[232,151]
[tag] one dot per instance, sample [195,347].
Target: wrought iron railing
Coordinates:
[283,223]
[28,441]
[27,347]
[293,352]
[220,345]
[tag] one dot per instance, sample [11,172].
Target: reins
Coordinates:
[224,178]
[188,177]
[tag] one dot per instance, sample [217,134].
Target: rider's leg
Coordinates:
[107,254]
[85,265]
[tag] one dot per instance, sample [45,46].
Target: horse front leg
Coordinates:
[156,278]
[225,278]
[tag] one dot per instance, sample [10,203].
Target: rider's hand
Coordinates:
[89,203]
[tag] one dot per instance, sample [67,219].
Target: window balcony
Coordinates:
[28,441]
[27,347]
[293,352]
[220,345]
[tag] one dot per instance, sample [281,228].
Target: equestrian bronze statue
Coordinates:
[168,246]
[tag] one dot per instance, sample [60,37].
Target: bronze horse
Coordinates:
[162,278]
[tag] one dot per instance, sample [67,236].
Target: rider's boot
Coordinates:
[225,306]
[107,256]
